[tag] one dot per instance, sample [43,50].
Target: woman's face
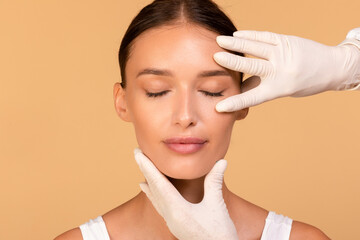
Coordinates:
[173,85]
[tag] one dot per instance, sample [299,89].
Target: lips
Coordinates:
[185,145]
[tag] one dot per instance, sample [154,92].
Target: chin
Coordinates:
[187,167]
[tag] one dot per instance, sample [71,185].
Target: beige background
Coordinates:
[66,157]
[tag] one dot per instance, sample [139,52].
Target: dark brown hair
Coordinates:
[163,12]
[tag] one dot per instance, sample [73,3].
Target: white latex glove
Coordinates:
[206,220]
[287,66]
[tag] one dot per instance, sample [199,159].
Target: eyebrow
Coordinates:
[166,73]
[213,73]
[154,71]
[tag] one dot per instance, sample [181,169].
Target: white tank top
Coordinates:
[277,227]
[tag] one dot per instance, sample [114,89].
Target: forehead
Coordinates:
[187,31]
[179,47]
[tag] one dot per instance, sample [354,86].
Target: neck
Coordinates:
[192,190]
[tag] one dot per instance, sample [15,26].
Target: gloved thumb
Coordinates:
[214,180]
[158,188]
[247,99]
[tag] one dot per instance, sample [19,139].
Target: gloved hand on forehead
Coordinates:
[286,66]
[185,220]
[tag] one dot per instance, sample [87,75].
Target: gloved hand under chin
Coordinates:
[206,220]
[288,66]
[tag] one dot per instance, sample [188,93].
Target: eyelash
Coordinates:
[210,94]
[158,94]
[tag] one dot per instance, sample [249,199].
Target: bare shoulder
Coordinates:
[123,215]
[303,231]
[73,234]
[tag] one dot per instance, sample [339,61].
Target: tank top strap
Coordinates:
[95,229]
[277,227]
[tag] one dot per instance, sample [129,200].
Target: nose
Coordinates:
[185,111]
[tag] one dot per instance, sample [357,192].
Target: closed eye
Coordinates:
[206,93]
[157,94]
[212,94]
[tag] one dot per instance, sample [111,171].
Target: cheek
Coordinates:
[147,121]
[150,123]
[221,125]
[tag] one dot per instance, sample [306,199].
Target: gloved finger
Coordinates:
[145,188]
[214,180]
[253,48]
[250,66]
[157,182]
[260,36]
[247,99]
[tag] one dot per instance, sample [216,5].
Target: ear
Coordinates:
[120,103]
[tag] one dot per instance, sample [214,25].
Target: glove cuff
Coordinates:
[353,38]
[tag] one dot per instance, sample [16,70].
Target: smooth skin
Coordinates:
[185,51]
